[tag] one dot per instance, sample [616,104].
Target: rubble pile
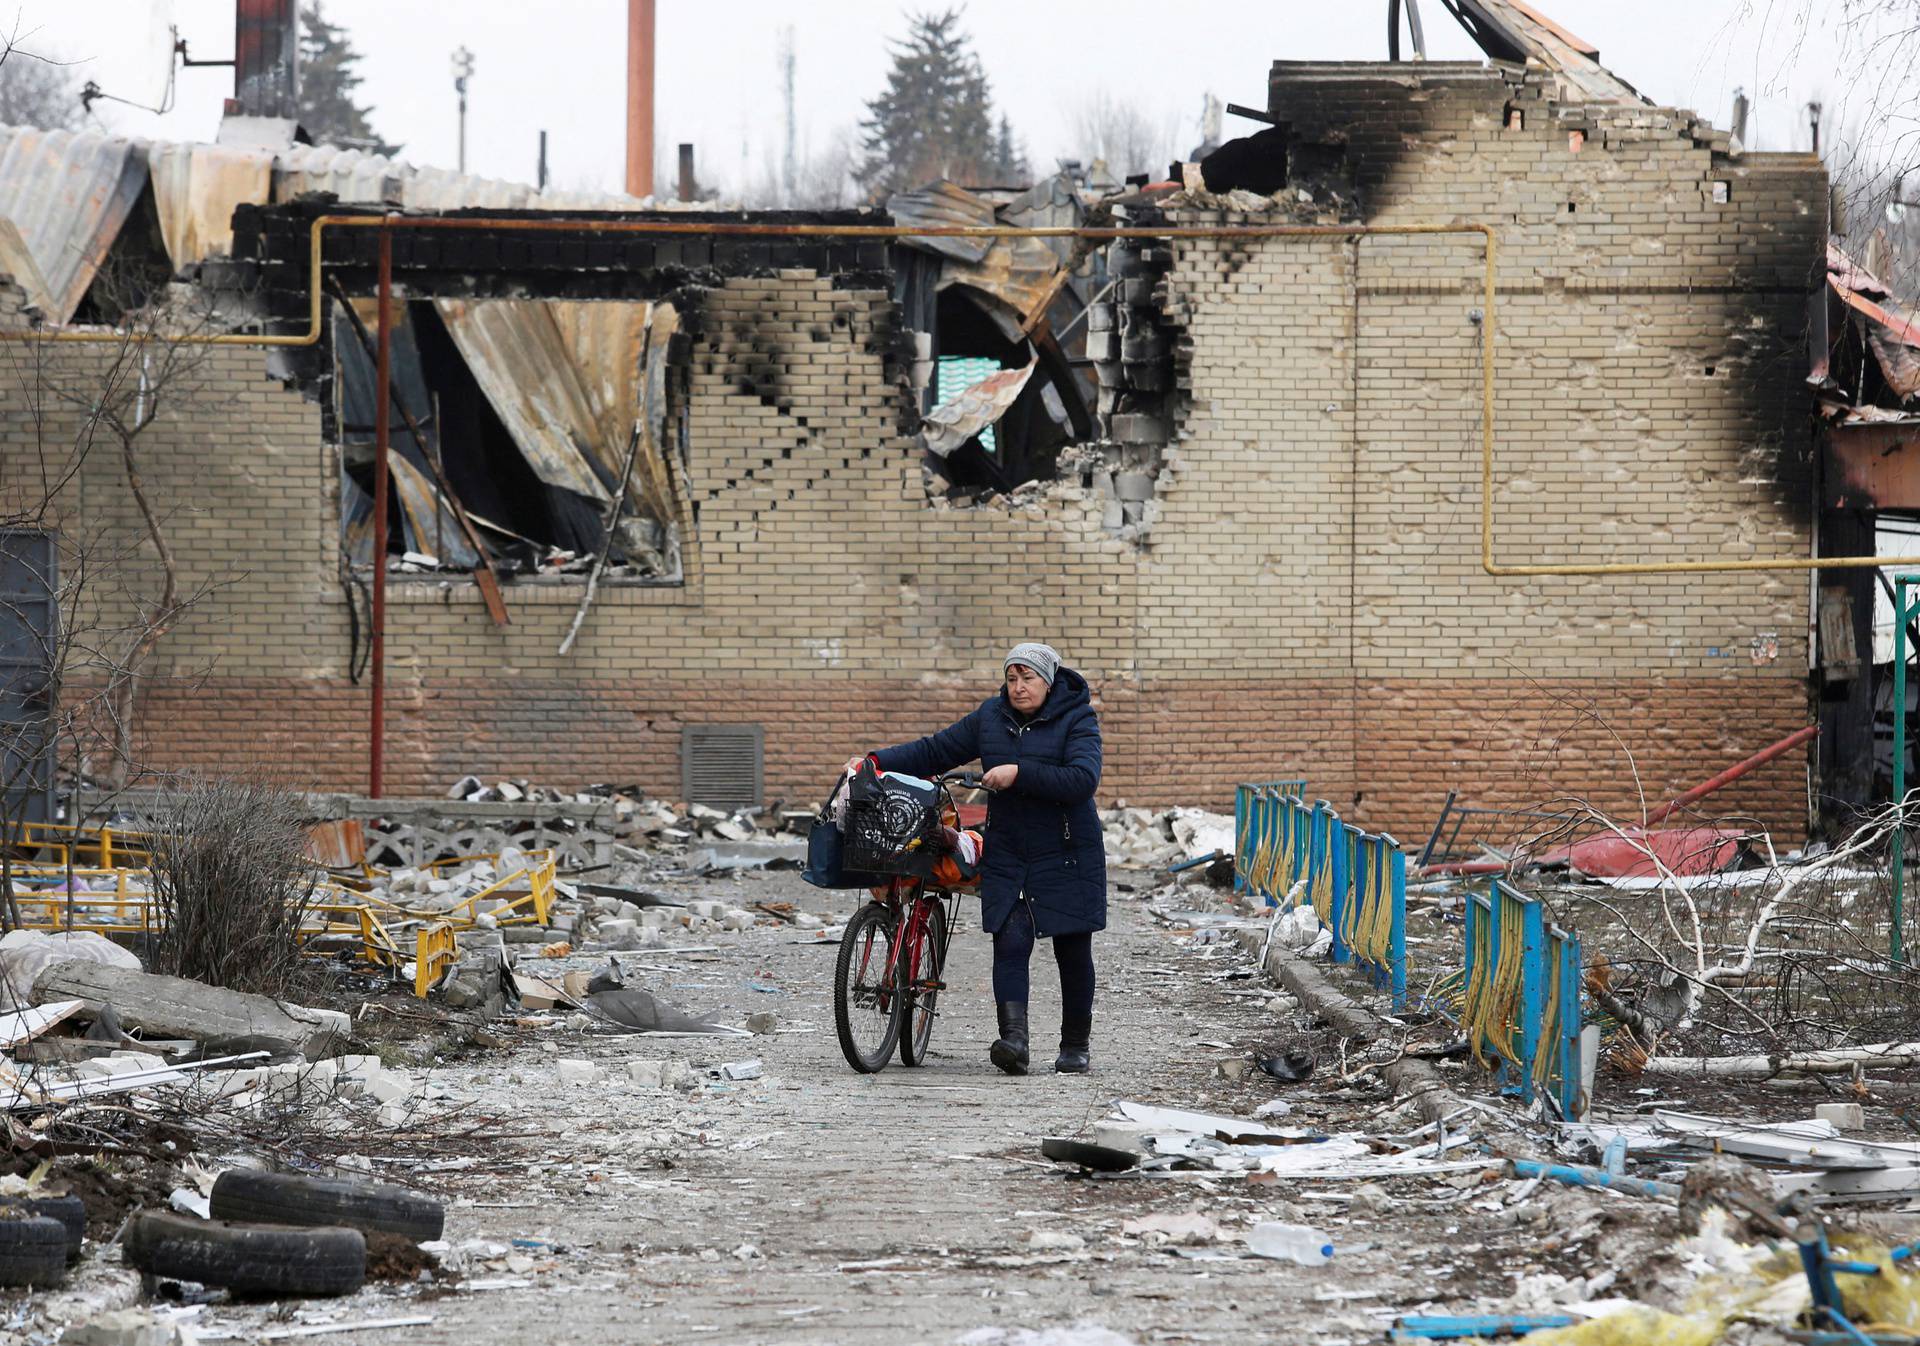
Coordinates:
[1145,839]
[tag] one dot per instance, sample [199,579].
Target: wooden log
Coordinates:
[173,1007]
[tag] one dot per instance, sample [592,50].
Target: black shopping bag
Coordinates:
[826,852]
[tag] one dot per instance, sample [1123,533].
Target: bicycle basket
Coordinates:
[893,825]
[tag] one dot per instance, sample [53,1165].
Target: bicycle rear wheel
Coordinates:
[866,988]
[920,984]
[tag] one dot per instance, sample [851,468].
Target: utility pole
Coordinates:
[787,188]
[462,72]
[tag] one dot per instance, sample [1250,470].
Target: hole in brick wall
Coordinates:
[1516,118]
[1576,141]
[1571,207]
[1722,193]
[1710,371]
[975,338]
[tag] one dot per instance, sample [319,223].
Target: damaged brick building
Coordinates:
[1254,518]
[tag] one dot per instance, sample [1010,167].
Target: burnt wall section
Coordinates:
[272,253]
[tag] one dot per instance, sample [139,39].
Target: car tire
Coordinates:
[70,1211]
[33,1251]
[249,1260]
[292,1198]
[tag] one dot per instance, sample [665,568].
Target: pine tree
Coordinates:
[935,118]
[1009,159]
[328,79]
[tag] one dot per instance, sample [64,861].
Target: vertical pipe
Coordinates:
[640,98]
[687,185]
[383,396]
[541,169]
[1898,860]
[463,126]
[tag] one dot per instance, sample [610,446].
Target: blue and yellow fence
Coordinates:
[1246,810]
[1355,881]
[1521,1010]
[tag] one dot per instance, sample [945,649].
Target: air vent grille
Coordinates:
[723,765]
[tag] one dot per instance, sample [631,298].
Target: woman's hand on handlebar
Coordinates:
[1001,777]
[853,765]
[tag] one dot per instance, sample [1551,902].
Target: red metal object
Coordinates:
[1734,772]
[383,398]
[1669,844]
[1681,850]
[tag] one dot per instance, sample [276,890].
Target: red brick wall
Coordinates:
[1401,744]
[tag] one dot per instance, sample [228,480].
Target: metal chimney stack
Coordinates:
[640,97]
[266,58]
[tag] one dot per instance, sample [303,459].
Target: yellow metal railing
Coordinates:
[436,948]
[118,901]
[96,847]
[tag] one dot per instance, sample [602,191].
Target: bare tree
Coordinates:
[36,90]
[77,469]
[823,178]
[1117,132]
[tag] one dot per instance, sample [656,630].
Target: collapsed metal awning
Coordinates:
[65,196]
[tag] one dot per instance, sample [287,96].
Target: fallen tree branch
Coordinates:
[1839,1062]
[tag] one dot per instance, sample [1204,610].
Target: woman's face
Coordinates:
[1025,688]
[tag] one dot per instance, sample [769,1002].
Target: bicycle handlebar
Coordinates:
[971,780]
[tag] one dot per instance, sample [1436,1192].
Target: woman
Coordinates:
[1044,874]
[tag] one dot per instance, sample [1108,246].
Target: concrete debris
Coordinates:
[174,1007]
[1079,1334]
[24,954]
[1188,1227]
[128,1327]
[576,1071]
[1143,839]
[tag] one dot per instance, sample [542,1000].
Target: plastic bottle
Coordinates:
[1291,1243]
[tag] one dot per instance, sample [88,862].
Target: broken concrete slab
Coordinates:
[220,1019]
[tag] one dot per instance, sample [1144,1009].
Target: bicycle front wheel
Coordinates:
[866,991]
[920,983]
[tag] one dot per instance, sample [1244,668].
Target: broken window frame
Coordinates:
[420,488]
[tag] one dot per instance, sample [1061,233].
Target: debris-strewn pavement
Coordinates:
[742,1184]
[814,1204]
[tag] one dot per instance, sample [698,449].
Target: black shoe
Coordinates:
[1009,1051]
[1074,1058]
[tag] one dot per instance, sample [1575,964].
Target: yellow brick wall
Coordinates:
[1316,548]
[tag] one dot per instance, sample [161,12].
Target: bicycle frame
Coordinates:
[911,902]
[905,989]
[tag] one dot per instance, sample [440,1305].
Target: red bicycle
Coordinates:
[887,978]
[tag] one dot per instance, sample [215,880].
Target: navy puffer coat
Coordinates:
[1043,836]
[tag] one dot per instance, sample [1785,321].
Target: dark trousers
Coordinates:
[1013,947]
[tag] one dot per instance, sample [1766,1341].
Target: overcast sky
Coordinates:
[560,65]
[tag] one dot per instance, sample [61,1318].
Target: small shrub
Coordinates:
[231,884]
